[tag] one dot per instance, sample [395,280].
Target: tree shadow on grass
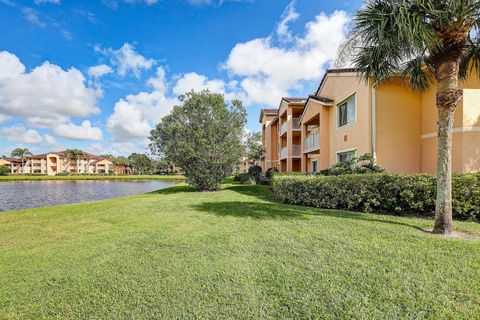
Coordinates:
[260,192]
[261,211]
[175,189]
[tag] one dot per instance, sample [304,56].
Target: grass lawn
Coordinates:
[92,177]
[230,254]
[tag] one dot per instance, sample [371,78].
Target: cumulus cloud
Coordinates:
[134,116]
[99,71]
[20,134]
[126,60]
[197,82]
[46,96]
[85,131]
[268,71]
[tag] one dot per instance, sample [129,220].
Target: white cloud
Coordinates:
[126,59]
[148,2]
[46,96]
[20,134]
[289,15]
[268,71]
[197,82]
[47,1]
[83,132]
[135,116]
[32,16]
[99,71]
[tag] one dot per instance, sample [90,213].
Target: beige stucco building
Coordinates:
[348,117]
[53,163]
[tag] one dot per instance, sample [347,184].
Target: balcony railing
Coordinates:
[312,141]
[283,128]
[296,151]
[295,125]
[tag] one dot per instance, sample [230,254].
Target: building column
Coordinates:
[289,141]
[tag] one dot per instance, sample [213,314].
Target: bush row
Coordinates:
[385,193]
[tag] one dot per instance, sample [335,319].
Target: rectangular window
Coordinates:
[345,156]
[346,112]
[314,165]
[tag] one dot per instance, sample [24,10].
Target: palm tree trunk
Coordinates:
[448,95]
[23,168]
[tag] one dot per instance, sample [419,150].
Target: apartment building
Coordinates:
[348,116]
[53,163]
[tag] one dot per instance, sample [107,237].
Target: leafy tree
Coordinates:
[424,41]
[254,149]
[140,163]
[77,155]
[203,136]
[4,170]
[21,153]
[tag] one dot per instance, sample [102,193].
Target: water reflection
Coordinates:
[32,194]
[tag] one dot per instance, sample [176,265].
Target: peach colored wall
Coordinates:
[398,127]
[358,134]
[466,132]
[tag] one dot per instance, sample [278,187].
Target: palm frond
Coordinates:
[470,60]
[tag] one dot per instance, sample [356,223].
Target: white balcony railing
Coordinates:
[296,123]
[283,153]
[296,150]
[312,141]
[283,128]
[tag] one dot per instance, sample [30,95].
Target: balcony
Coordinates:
[296,152]
[312,142]
[295,126]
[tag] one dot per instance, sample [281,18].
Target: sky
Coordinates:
[99,74]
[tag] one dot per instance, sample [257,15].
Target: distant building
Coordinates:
[53,163]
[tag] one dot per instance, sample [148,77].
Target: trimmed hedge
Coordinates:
[385,193]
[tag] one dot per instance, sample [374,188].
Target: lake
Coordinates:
[34,194]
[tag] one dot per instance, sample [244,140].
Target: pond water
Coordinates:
[33,194]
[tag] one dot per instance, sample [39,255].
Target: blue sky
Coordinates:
[98,75]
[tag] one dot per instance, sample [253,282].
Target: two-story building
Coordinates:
[348,116]
[53,163]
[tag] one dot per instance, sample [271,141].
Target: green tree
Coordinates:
[203,136]
[21,153]
[140,163]
[254,149]
[77,155]
[424,41]
[4,170]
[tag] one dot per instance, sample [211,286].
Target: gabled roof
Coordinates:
[294,100]
[344,70]
[64,154]
[267,112]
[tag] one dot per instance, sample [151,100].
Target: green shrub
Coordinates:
[361,165]
[270,172]
[386,193]
[4,170]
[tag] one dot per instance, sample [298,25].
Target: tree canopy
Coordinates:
[203,136]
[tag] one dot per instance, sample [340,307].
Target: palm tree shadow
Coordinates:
[182,188]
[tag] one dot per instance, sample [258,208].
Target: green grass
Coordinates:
[232,254]
[10,178]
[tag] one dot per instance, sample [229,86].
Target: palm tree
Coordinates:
[77,155]
[21,153]
[424,41]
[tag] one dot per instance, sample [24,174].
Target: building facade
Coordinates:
[54,163]
[348,117]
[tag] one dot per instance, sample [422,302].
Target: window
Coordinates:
[345,156]
[314,165]
[346,112]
